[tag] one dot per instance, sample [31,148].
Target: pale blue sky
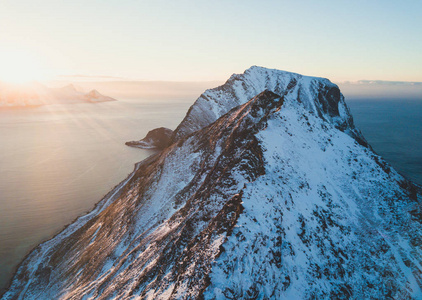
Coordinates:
[210,40]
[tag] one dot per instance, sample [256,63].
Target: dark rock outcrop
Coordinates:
[158,138]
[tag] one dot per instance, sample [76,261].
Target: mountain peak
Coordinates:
[274,199]
[318,95]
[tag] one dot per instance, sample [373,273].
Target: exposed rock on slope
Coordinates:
[158,138]
[274,199]
[317,95]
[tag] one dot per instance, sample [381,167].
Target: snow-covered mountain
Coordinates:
[273,197]
[317,95]
[36,94]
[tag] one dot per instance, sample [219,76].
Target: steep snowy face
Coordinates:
[328,219]
[317,95]
[157,234]
[276,199]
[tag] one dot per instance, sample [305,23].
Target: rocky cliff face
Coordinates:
[274,197]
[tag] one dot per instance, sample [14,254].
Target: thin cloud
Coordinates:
[92,76]
[383,82]
[382,89]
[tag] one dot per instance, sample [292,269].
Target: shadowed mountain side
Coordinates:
[278,197]
[158,221]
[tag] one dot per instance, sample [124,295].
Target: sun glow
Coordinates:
[20,66]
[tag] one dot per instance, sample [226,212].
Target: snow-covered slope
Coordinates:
[317,95]
[36,94]
[273,200]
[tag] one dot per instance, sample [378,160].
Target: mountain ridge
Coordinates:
[273,199]
[239,88]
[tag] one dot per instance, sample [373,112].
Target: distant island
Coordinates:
[37,94]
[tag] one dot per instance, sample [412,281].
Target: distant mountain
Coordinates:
[266,191]
[36,94]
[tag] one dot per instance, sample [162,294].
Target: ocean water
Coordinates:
[394,130]
[57,161]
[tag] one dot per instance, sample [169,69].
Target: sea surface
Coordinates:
[394,130]
[57,161]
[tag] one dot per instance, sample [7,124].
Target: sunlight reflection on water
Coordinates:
[57,161]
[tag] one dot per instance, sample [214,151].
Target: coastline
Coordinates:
[78,222]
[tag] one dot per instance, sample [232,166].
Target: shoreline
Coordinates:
[104,202]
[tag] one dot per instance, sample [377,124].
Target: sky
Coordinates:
[209,40]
